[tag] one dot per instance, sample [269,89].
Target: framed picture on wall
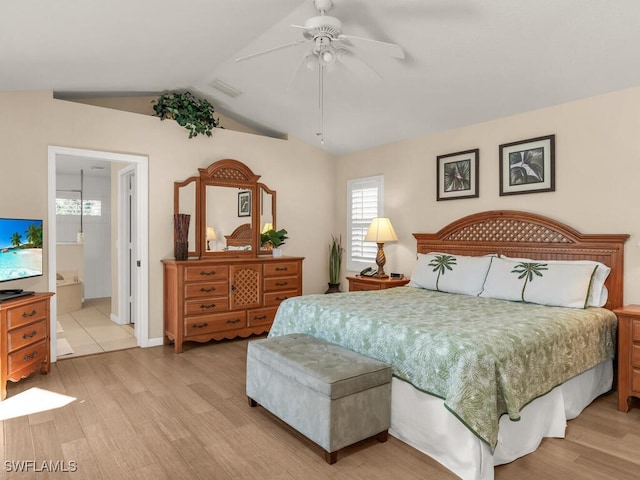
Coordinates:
[457,175]
[244,204]
[528,166]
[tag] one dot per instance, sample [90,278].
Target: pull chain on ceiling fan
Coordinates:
[329,47]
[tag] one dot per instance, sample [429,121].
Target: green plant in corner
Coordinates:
[273,239]
[335,259]
[194,114]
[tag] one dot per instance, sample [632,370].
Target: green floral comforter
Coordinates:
[484,357]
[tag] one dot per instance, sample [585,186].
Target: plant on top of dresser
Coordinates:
[335,264]
[273,240]
[194,114]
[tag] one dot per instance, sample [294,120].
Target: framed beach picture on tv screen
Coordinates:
[20,248]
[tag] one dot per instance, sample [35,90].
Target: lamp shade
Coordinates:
[267,226]
[211,234]
[381,231]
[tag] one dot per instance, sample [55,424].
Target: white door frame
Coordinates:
[122,246]
[141,164]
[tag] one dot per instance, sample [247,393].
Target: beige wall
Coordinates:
[597,172]
[301,174]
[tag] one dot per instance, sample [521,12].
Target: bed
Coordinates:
[455,396]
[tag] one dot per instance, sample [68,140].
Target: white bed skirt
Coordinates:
[423,422]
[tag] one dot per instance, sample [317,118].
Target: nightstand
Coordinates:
[357,284]
[628,354]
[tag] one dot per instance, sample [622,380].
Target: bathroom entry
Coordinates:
[105,220]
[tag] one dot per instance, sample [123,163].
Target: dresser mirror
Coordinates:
[229,208]
[186,196]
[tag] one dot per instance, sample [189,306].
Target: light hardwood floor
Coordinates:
[152,414]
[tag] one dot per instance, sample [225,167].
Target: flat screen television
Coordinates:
[20,249]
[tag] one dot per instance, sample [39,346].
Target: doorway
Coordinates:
[130,285]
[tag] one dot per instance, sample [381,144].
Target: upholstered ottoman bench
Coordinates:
[333,396]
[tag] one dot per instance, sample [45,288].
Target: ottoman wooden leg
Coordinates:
[252,402]
[382,436]
[331,457]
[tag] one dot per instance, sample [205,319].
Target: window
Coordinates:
[365,201]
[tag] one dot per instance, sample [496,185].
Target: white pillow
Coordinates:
[450,273]
[598,295]
[560,284]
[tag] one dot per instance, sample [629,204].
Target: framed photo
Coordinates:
[528,166]
[457,175]
[244,204]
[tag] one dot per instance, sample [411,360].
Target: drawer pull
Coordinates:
[233,321]
[281,269]
[26,335]
[27,315]
[202,325]
[211,305]
[260,318]
[281,299]
[281,284]
[204,274]
[30,357]
[212,289]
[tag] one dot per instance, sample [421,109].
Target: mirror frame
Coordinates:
[262,186]
[195,221]
[235,174]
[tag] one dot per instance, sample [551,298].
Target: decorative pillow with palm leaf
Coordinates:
[598,295]
[450,273]
[537,281]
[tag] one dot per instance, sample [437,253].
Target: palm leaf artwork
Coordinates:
[528,271]
[526,166]
[457,176]
[442,263]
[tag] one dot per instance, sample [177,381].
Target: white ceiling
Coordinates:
[467,61]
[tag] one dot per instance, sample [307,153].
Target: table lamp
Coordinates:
[381,231]
[211,235]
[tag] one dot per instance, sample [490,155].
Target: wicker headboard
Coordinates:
[240,237]
[522,234]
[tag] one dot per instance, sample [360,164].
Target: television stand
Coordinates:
[10,294]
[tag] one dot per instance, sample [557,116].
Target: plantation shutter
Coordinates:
[364,204]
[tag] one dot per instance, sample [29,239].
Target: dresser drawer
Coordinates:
[280,269]
[27,357]
[635,380]
[262,316]
[635,330]
[276,284]
[635,355]
[204,306]
[215,323]
[204,273]
[20,337]
[208,289]
[274,299]
[19,316]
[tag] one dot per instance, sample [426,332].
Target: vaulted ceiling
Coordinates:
[466,61]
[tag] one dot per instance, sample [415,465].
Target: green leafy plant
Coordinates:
[273,239]
[194,114]
[335,259]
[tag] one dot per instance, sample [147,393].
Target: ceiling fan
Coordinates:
[329,45]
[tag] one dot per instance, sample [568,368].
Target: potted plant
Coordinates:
[273,240]
[194,114]
[335,264]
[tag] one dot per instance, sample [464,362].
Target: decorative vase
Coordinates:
[181,227]
[181,251]
[333,288]
[276,252]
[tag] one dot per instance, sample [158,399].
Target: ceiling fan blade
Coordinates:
[301,63]
[269,50]
[358,67]
[390,49]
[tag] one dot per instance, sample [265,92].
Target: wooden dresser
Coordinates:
[24,346]
[628,354]
[220,297]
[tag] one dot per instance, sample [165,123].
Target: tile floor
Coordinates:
[90,330]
